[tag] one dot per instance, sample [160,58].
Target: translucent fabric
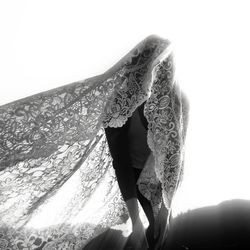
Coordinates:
[58,187]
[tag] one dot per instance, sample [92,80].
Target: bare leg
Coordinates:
[148,210]
[138,237]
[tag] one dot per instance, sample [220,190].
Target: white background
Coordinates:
[48,43]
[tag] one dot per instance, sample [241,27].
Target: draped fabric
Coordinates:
[58,189]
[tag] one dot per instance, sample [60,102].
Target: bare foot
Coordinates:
[138,237]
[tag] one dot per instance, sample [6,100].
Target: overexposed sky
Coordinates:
[48,43]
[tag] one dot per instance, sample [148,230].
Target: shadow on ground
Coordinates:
[109,240]
[225,226]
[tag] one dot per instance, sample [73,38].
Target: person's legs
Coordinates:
[148,210]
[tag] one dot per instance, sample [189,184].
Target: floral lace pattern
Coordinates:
[57,185]
[164,113]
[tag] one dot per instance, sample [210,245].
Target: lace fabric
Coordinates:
[58,187]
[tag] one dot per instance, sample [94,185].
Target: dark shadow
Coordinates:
[225,226]
[109,240]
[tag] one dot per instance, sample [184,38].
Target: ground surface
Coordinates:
[226,226]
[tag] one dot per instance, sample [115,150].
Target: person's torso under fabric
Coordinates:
[137,135]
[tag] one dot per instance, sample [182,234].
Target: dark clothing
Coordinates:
[138,147]
[118,145]
[129,149]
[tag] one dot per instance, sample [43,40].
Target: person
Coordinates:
[129,150]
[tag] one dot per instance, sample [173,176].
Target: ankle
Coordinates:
[137,223]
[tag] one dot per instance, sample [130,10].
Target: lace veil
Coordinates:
[57,185]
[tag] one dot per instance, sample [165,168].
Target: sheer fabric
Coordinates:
[57,183]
